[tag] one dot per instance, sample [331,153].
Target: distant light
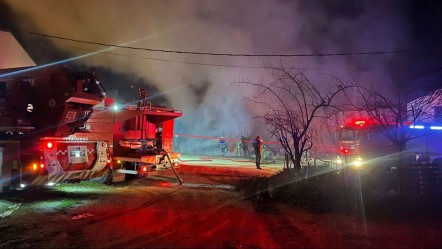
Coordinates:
[22,185]
[50,184]
[30,108]
[436,127]
[417,126]
[116,107]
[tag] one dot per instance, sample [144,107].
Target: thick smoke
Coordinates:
[211,105]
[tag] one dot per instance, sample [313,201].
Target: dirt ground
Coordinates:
[207,211]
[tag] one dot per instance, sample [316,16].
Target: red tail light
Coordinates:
[144,169]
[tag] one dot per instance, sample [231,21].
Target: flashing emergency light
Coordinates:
[144,169]
[34,166]
[42,165]
[417,127]
[49,145]
[436,127]
[346,151]
[360,122]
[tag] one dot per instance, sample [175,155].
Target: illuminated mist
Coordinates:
[211,104]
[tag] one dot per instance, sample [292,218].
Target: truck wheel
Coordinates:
[106,178]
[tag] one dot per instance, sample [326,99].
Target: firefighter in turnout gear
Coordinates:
[257,146]
[142,100]
[238,147]
[222,144]
[244,146]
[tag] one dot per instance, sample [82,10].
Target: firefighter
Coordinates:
[142,100]
[238,147]
[159,139]
[222,144]
[264,152]
[257,146]
[245,147]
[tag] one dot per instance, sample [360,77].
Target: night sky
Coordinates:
[201,85]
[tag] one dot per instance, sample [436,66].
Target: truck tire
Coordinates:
[106,178]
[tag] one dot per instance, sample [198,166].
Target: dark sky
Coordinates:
[205,93]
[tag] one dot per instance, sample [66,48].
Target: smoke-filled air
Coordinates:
[202,86]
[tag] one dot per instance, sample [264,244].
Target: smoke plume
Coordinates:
[211,105]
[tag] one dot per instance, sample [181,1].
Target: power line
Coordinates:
[215,65]
[219,54]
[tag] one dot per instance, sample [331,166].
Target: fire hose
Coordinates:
[173,167]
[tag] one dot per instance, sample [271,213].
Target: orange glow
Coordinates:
[34,166]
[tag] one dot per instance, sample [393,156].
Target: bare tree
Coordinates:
[291,106]
[394,114]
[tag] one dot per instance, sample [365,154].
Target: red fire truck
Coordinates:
[55,127]
[139,138]
[361,142]
[40,102]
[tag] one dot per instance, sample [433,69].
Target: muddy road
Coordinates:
[207,211]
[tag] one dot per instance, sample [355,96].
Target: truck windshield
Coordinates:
[348,135]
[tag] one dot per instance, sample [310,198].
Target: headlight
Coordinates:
[339,161]
[358,162]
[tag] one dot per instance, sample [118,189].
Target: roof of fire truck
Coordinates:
[154,114]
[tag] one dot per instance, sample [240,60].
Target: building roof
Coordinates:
[12,54]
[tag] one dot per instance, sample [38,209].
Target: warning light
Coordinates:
[144,169]
[49,145]
[346,151]
[360,123]
[34,166]
[42,165]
